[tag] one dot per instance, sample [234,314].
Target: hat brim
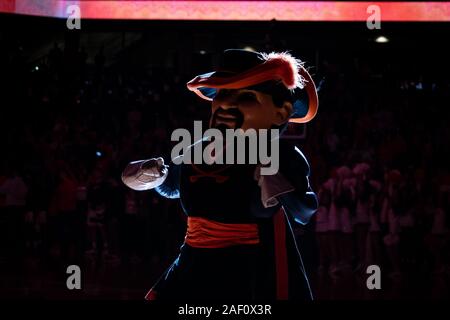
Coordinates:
[206,86]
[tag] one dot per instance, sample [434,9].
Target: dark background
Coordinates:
[77,106]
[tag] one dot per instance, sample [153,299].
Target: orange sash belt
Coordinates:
[204,233]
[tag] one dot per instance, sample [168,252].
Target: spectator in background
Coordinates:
[407,221]
[82,203]
[15,192]
[373,249]
[438,238]
[334,228]
[97,202]
[114,210]
[321,228]
[344,204]
[393,207]
[362,188]
[130,227]
[64,212]
[3,217]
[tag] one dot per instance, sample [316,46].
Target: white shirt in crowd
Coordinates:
[362,212]
[345,220]
[334,223]
[322,219]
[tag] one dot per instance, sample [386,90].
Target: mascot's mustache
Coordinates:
[232,115]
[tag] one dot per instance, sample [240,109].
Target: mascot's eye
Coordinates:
[247,96]
[223,93]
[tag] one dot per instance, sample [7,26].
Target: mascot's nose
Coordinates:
[226,99]
[228,106]
[228,103]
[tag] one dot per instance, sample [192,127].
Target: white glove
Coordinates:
[145,174]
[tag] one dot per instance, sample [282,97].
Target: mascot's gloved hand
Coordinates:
[145,174]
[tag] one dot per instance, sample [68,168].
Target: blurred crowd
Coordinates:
[79,124]
[378,152]
[387,219]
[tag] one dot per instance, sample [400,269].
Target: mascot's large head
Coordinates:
[257,90]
